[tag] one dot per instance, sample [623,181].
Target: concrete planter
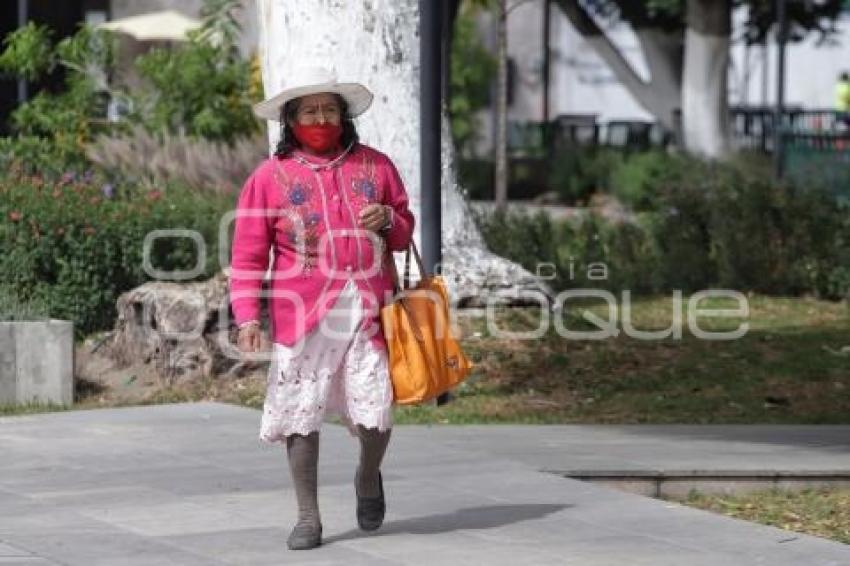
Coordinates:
[37,361]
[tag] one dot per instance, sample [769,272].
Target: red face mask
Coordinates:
[318,137]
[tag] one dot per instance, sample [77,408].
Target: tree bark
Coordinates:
[664,53]
[704,91]
[376,42]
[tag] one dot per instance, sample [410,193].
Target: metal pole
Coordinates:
[765,62]
[779,111]
[547,32]
[23,17]
[430,87]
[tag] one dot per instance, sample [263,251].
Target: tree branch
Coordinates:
[588,28]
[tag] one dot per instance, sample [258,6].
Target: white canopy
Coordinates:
[164,25]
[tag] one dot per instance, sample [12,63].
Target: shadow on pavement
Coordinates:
[486,517]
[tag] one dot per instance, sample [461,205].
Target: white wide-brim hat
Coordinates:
[313,80]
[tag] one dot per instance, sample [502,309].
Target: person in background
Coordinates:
[842,93]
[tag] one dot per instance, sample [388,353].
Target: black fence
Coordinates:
[815,142]
[542,139]
[751,127]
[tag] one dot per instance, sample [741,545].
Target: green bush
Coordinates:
[27,51]
[52,128]
[35,154]
[572,249]
[13,308]
[471,78]
[637,178]
[838,277]
[69,246]
[633,258]
[720,225]
[680,231]
[525,238]
[577,172]
[201,88]
[198,89]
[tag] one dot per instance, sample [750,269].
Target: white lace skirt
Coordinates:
[333,370]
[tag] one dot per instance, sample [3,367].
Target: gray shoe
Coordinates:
[305,536]
[371,510]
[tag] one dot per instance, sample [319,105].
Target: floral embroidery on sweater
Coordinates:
[364,183]
[298,222]
[299,194]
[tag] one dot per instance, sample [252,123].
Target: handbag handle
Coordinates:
[396,288]
[394,271]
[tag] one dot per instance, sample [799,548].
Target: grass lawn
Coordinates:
[788,368]
[31,408]
[792,366]
[820,512]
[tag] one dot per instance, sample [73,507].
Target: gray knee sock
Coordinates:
[373,446]
[303,454]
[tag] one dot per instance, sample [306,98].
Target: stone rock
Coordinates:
[476,277]
[174,327]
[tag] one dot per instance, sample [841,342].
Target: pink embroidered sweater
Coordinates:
[305,208]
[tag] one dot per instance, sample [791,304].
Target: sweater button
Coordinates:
[348,268]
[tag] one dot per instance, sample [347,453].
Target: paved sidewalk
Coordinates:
[190,484]
[558,448]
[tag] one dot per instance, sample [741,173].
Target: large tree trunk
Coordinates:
[663,51]
[704,96]
[376,42]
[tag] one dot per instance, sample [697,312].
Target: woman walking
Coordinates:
[330,208]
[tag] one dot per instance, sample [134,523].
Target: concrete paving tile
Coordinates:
[268,546]
[190,484]
[9,551]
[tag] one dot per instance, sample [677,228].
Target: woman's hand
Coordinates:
[249,339]
[374,216]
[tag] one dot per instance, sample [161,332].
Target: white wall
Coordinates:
[580,82]
[810,73]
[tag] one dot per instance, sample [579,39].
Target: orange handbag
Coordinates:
[424,358]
